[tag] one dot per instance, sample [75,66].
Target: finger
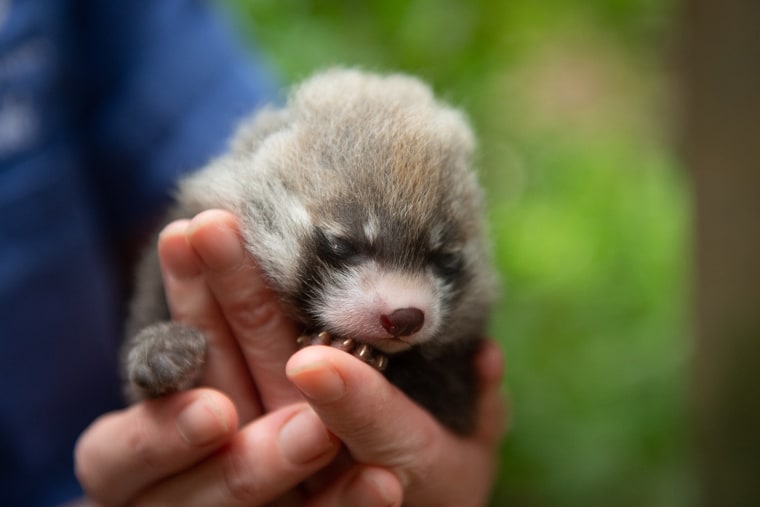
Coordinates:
[123,452]
[349,395]
[381,426]
[264,460]
[252,310]
[191,301]
[362,485]
[492,418]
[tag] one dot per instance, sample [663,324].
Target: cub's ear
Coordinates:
[275,225]
[252,131]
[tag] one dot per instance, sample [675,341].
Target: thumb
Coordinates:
[382,427]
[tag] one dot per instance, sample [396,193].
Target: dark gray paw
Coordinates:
[164,358]
[368,354]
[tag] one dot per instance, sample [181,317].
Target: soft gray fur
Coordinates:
[356,199]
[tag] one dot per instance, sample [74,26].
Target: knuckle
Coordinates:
[139,445]
[256,312]
[417,451]
[88,461]
[241,486]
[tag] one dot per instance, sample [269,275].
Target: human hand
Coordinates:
[213,284]
[186,449]
[383,428]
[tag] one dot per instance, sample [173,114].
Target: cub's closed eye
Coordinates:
[339,250]
[343,248]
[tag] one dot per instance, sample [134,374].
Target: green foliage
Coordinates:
[588,209]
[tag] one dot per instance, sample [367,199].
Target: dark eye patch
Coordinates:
[447,264]
[337,250]
[345,250]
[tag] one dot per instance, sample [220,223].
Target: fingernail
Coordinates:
[174,229]
[202,422]
[222,249]
[304,438]
[319,381]
[177,260]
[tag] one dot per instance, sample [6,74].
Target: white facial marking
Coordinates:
[355,300]
[371,229]
[298,213]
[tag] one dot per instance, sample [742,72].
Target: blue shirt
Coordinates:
[103,104]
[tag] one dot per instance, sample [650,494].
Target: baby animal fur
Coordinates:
[358,201]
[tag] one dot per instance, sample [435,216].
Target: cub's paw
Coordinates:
[164,358]
[368,354]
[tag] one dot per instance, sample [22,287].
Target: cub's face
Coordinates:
[381,278]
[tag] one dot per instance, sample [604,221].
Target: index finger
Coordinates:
[191,301]
[252,310]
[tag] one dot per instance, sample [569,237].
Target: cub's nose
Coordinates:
[403,322]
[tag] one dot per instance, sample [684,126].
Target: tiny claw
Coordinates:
[363,352]
[360,350]
[381,362]
[346,344]
[324,338]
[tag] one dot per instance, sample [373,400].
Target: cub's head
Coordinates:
[366,214]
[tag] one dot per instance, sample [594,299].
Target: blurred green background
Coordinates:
[589,210]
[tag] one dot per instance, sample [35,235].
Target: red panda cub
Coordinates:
[358,201]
